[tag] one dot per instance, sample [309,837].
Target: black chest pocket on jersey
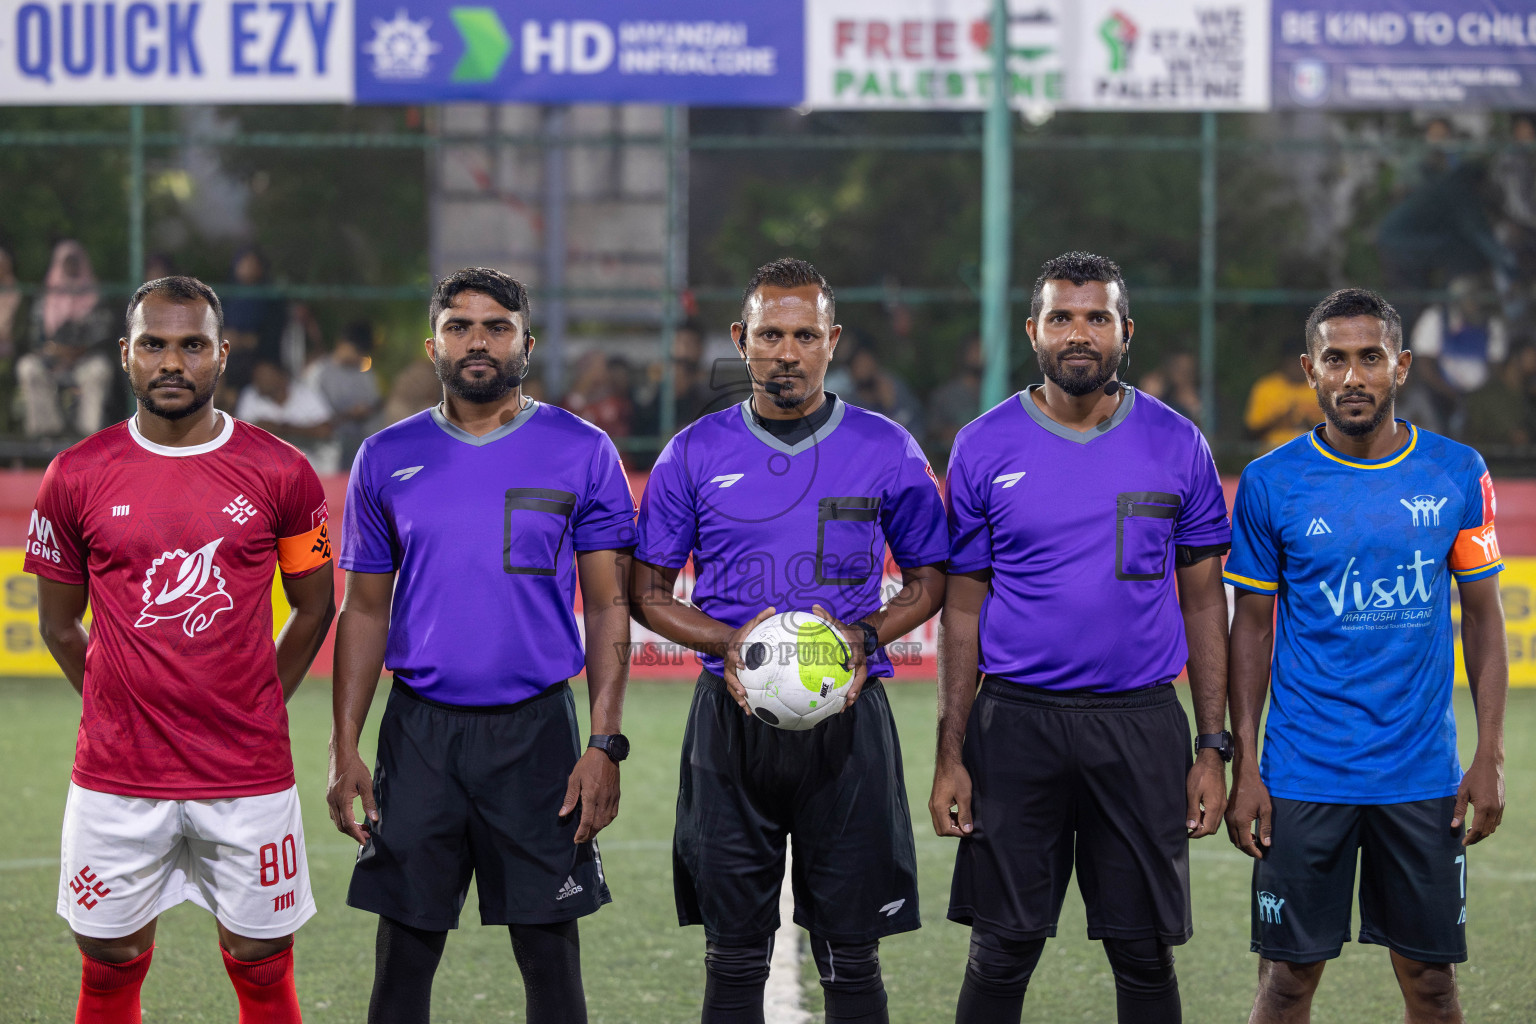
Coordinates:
[1144,534]
[845,540]
[537,519]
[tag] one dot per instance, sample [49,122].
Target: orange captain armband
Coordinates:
[304,553]
[1476,550]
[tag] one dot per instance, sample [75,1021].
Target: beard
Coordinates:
[505,377]
[1357,428]
[1078,381]
[787,401]
[145,393]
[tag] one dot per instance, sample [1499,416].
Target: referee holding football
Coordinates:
[466,531]
[787,502]
[1073,508]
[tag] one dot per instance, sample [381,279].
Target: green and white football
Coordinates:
[796,669]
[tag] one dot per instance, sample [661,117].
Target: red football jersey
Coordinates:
[178,548]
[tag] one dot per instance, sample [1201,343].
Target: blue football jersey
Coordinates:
[1360,555]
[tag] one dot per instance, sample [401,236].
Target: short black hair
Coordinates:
[508,291]
[1348,302]
[1080,268]
[787,273]
[179,289]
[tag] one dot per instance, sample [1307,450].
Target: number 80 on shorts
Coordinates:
[277,857]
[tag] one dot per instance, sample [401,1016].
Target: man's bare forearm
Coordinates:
[921,595]
[1484,647]
[1253,637]
[653,606]
[957,687]
[1203,604]
[605,612]
[60,620]
[362,631]
[67,646]
[313,603]
[959,661]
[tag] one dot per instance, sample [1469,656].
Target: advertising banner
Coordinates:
[1391,53]
[175,51]
[927,54]
[1168,54]
[700,52]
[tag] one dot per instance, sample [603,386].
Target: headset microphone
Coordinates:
[772,387]
[1113,387]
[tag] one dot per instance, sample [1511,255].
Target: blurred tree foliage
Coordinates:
[913,219]
[322,214]
[51,193]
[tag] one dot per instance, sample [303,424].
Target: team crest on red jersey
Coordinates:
[184,587]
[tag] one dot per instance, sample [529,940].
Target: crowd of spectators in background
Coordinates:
[1461,230]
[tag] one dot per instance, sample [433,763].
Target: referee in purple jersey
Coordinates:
[1086,525]
[787,502]
[467,529]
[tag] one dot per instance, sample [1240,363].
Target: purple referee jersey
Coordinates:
[791,525]
[483,533]
[1079,529]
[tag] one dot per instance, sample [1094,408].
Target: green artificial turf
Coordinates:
[640,968]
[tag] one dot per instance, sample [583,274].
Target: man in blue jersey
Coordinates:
[787,502]
[1356,529]
[1074,509]
[466,531]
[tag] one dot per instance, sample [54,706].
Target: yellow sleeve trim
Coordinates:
[1232,577]
[305,552]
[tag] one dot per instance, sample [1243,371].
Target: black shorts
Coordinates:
[835,790]
[1095,779]
[476,791]
[1413,881]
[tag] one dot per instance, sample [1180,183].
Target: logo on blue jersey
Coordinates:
[727,479]
[1317,527]
[408,472]
[1009,479]
[1392,595]
[1425,509]
[1269,907]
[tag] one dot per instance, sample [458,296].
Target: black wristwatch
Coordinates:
[1222,741]
[871,639]
[616,746]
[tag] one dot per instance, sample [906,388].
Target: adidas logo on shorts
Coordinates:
[570,888]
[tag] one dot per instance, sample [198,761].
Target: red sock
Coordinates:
[109,993]
[265,988]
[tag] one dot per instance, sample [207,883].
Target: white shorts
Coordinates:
[126,860]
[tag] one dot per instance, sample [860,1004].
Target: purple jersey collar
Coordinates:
[1127,399]
[460,434]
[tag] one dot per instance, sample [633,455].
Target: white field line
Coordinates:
[781,998]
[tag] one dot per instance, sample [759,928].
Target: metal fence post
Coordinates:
[135,194]
[996,218]
[552,337]
[675,121]
[1208,273]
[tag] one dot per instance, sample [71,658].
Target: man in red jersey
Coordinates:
[172,524]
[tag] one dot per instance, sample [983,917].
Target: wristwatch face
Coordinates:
[1221,742]
[615,746]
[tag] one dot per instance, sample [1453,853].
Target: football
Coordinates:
[796,667]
